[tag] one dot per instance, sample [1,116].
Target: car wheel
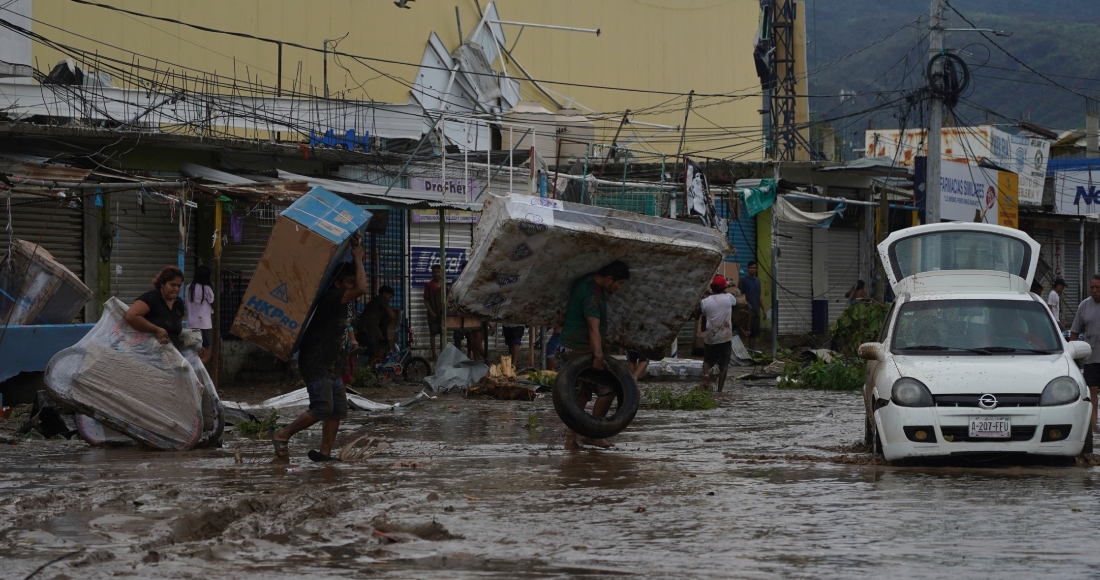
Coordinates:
[416,370]
[868,430]
[580,420]
[1088,441]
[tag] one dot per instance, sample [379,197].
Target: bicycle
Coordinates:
[401,362]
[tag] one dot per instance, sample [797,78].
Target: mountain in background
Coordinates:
[1058,39]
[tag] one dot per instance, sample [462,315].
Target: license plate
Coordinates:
[990,427]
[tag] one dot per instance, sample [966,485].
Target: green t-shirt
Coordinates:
[586,299]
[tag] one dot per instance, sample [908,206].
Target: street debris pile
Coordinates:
[454,371]
[130,382]
[506,278]
[502,383]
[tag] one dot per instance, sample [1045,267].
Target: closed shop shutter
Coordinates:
[1073,274]
[741,234]
[424,236]
[145,242]
[241,257]
[53,224]
[843,267]
[795,278]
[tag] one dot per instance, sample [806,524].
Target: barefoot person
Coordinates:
[322,357]
[160,310]
[583,332]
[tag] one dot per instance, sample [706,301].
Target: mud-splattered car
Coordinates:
[968,360]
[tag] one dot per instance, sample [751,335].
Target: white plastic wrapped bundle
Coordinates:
[528,251]
[130,382]
[213,413]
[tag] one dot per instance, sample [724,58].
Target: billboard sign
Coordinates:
[1076,186]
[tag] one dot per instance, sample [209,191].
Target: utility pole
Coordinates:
[935,119]
[1092,128]
[683,130]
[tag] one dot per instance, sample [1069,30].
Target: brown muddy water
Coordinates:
[770,484]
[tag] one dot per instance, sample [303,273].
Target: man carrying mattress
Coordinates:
[322,359]
[583,333]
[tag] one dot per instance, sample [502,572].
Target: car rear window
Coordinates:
[974,327]
[959,250]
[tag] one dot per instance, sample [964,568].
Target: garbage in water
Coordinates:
[37,289]
[507,277]
[502,383]
[300,398]
[132,383]
[454,371]
[309,239]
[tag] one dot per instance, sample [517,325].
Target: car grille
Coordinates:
[1014,400]
[961,434]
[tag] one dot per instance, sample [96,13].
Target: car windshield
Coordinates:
[974,327]
[959,250]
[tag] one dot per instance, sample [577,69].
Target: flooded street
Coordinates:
[770,484]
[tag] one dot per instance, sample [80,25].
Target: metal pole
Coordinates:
[511,167]
[443,270]
[935,120]
[324,69]
[216,340]
[1082,279]
[775,282]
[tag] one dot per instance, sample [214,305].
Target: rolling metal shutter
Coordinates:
[459,236]
[51,223]
[242,257]
[843,267]
[1073,274]
[145,242]
[795,278]
[741,234]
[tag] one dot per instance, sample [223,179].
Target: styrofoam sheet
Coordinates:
[528,251]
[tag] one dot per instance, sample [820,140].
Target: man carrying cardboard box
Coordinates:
[322,359]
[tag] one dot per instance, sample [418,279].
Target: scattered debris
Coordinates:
[454,371]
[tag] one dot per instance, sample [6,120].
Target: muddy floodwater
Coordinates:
[771,484]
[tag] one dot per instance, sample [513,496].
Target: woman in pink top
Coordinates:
[199,297]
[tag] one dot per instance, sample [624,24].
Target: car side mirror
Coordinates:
[872,351]
[1080,349]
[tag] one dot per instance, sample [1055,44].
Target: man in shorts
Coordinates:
[750,287]
[636,363]
[513,337]
[1086,327]
[583,332]
[322,359]
[718,340]
[433,304]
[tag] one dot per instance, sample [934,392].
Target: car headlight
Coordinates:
[908,392]
[1060,391]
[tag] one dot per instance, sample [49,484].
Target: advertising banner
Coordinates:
[422,258]
[451,186]
[1076,186]
[1026,156]
[969,193]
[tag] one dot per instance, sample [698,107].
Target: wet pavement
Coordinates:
[771,484]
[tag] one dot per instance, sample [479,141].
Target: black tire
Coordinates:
[580,420]
[1088,441]
[416,370]
[868,431]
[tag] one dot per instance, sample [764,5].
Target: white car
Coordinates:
[969,361]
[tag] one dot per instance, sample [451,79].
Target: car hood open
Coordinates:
[997,373]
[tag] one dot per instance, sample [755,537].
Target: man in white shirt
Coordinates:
[718,339]
[1054,300]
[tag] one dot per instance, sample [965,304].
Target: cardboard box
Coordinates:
[309,239]
[731,271]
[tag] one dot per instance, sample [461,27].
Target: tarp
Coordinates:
[785,211]
[453,371]
[758,199]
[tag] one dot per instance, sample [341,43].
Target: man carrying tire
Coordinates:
[583,332]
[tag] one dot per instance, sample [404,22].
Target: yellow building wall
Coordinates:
[666,45]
